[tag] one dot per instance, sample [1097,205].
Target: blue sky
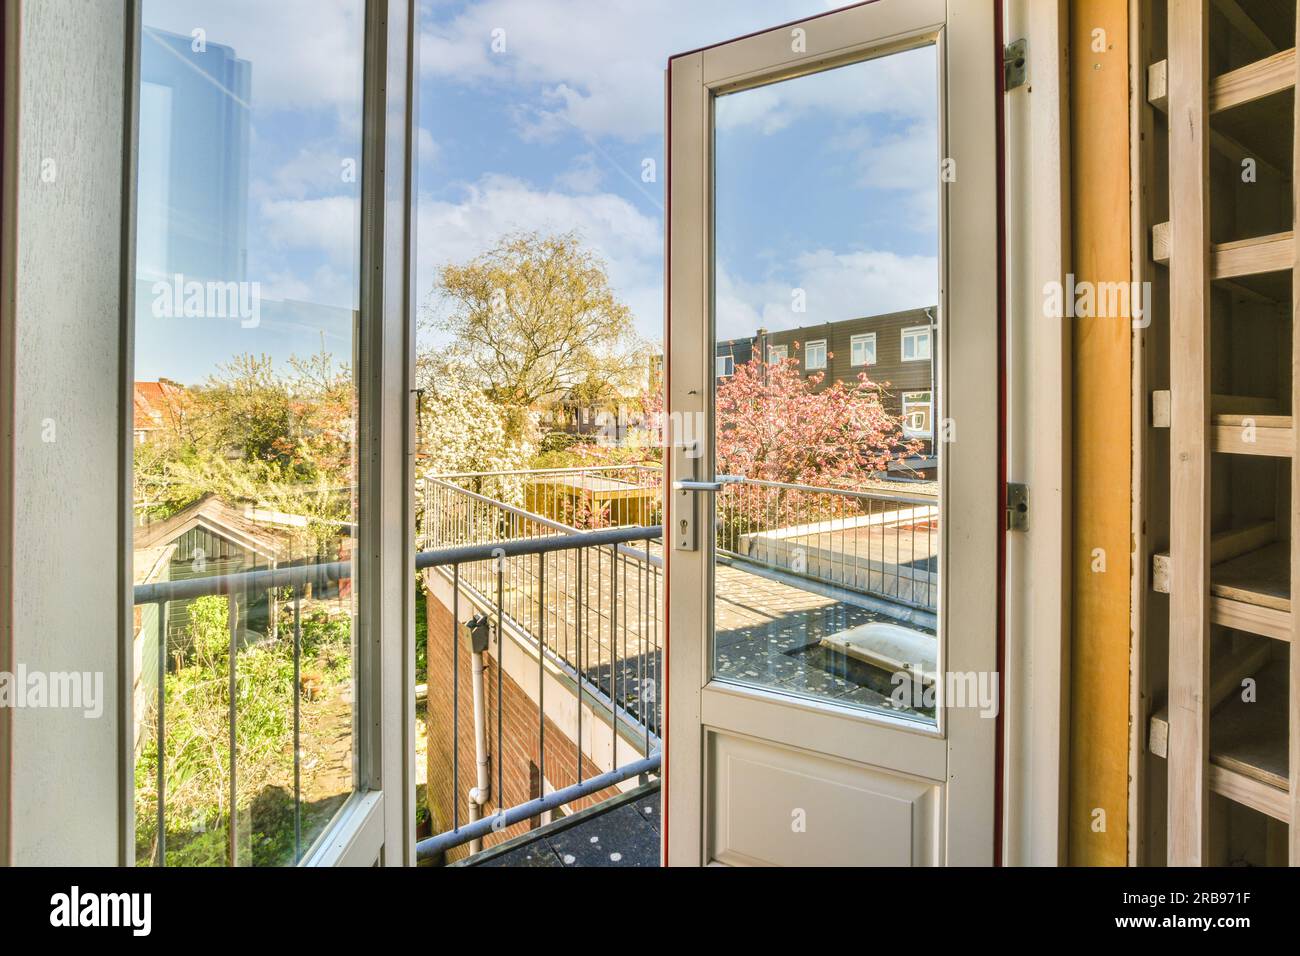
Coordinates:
[826,182]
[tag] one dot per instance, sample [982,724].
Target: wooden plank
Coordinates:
[1248,661]
[1242,257]
[1224,546]
[1269,435]
[1160,408]
[1254,256]
[1253,81]
[1189,291]
[1293,716]
[1261,577]
[1225,145]
[1158,85]
[1251,618]
[1248,792]
[1249,737]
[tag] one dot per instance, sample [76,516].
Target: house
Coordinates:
[895,350]
[211,537]
[157,405]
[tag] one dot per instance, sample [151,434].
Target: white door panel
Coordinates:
[776,806]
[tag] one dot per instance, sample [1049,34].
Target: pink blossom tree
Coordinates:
[773,424]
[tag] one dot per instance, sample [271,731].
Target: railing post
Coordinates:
[232,619]
[297,725]
[455,696]
[541,673]
[577,650]
[613,654]
[162,733]
[500,664]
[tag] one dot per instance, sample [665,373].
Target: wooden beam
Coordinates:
[1225,145]
[1268,435]
[1254,81]
[1244,663]
[1254,256]
[1293,716]
[1242,789]
[1251,618]
[1189,312]
[1243,257]
[1224,546]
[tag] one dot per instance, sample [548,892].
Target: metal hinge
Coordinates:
[1017,506]
[1015,64]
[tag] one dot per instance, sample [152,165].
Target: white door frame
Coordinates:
[959,754]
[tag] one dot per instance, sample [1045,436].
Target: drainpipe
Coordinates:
[477,626]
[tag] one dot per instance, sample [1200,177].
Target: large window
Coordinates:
[246,422]
[814,355]
[726,365]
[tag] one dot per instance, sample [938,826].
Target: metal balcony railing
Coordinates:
[476,562]
[880,543]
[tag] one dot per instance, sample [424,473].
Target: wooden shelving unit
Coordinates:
[1228,103]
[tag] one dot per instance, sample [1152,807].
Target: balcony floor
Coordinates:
[623,831]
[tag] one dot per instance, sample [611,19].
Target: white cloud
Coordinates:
[599,66]
[330,224]
[836,285]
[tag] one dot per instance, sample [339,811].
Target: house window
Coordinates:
[916,344]
[863,348]
[814,355]
[777,353]
[917,411]
[726,366]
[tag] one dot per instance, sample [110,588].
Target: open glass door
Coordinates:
[832,398]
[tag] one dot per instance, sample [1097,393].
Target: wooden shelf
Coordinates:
[1248,741]
[1232,130]
[1229,260]
[1250,586]
[1269,435]
[1254,81]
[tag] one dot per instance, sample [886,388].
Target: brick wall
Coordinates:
[519,730]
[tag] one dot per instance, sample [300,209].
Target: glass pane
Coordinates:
[826,564]
[246,411]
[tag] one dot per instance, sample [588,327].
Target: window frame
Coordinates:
[718,364]
[807,353]
[914,333]
[862,338]
[772,351]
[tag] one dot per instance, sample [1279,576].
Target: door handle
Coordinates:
[715,485]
